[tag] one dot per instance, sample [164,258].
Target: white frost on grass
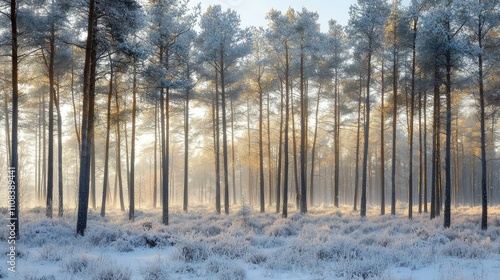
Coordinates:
[327,243]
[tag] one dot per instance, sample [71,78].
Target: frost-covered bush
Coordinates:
[221,269]
[96,268]
[281,228]
[155,270]
[100,235]
[48,252]
[229,246]
[105,269]
[460,249]
[42,231]
[77,263]
[192,252]
[123,245]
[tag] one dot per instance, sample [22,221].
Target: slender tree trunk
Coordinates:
[394,131]
[155,184]
[131,189]
[294,143]
[425,152]
[280,153]
[59,153]
[313,151]
[164,157]
[118,153]
[186,152]
[358,140]
[92,173]
[412,108]
[337,143]
[106,149]
[382,145]
[484,183]
[447,199]
[420,153]
[217,146]
[261,149]
[50,167]
[269,158]
[233,163]
[14,165]
[435,145]
[366,138]
[303,141]
[287,121]
[87,121]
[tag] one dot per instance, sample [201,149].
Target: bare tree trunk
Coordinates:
[155,184]
[269,158]
[394,126]
[59,153]
[14,166]
[261,150]
[131,189]
[412,108]
[287,121]
[217,145]
[313,151]
[87,120]
[303,139]
[118,154]
[106,152]
[337,143]
[382,145]
[280,153]
[50,167]
[233,163]
[186,152]
[358,140]
[366,138]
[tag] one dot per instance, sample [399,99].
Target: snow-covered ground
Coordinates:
[327,243]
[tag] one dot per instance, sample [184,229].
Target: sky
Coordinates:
[253,12]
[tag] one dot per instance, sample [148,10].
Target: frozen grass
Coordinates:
[327,243]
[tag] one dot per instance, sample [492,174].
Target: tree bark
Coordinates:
[366,138]
[14,165]
[87,121]
[106,149]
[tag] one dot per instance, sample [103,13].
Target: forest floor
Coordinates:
[327,243]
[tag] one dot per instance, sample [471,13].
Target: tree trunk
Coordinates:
[382,145]
[131,189]
[155,184]
[287,121]
[412,108]
[215,113]
[280,153]
[269,158]
[106,149]
[261,149]
[358,140]
[394,131]
[233,163]
[484,183]
[447,194]
[186,152]
[313,151]
[14,165]
[435,145]
[59,153]
[118,153]
[50,167]
[303,137]
[337,143]
[366,138]
[87,121]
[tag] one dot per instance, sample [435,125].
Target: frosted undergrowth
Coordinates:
[327,243]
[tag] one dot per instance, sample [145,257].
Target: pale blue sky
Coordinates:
[253,12]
